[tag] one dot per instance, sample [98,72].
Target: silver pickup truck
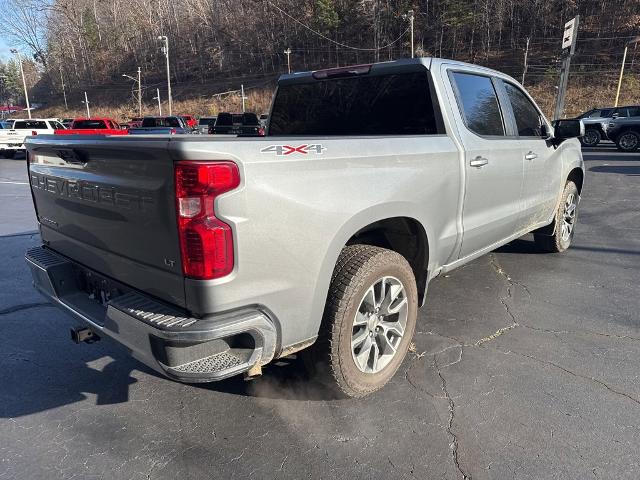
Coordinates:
[211,257]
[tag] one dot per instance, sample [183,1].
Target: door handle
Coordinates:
[478,162]
[530,156]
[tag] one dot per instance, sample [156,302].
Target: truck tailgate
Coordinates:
[109,204]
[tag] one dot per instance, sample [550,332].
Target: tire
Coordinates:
[351,355]
[628,141]
[591,138]
[9,153]
[565,221]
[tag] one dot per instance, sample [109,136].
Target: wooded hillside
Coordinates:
[215,45]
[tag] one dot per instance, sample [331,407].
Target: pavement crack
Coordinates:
[496,334]
[575,374]
[453,446]
[501,272]
[24,306]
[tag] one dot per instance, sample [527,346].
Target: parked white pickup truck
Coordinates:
[12,140]
[208,257]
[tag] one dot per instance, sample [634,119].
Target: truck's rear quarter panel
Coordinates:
[293,214]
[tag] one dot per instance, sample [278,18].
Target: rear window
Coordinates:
[250,119]
[395,104]
[89,124]
[34,124]
[224,119]
[206,121]
[161,122]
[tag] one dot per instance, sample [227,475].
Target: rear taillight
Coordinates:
[33,132]
[261,132]
[173,131]
[206,242]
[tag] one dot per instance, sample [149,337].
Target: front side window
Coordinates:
[387,104]
[478,104]
[526,114]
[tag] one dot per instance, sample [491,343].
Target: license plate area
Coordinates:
[98,288]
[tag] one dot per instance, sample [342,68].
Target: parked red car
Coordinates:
[190,120]
[93,126]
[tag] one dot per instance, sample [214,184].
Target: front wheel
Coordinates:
[591,138]
[565,222]
[628,141]
[369,320]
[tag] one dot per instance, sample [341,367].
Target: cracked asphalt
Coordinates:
[526,365]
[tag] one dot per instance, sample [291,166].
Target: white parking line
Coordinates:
[16,183]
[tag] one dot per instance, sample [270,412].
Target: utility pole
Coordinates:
[568,48]
[157,97]
[624,59]
[24,83]
[288,53]
[526,57]
[411,18]
[139,94]
[64,93]
[86,102]
[243,97]
[165,50]
[139,90]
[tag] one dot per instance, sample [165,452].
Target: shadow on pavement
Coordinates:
[520,246]
[629,170]
[41,373]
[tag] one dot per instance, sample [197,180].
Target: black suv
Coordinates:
[245,124]
[624,128]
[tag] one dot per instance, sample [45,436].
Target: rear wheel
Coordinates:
[591,138]
[628,141]
[565,222]
[368,321]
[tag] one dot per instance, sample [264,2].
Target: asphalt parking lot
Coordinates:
[526,365]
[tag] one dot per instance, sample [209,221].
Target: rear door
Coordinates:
[109,204]
[492,207]
[542,162]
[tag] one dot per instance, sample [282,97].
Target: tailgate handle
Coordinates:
[71,155]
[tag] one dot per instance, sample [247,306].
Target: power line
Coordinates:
[332,40]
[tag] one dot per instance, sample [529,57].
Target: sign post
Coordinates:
[568,48]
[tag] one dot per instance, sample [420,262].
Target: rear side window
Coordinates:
[526,115]
[634,111]
[33,124]
[478,103]
[395,104]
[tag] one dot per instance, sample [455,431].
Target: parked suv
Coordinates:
[625,132]
[211,257]
[245,124]
[593,121]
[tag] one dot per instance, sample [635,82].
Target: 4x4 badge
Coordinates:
[290,149]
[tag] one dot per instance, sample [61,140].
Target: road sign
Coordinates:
[569,38]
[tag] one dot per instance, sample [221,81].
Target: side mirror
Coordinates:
[565,129]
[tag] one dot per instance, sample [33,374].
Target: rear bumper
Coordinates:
[12,146]
[161,336]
